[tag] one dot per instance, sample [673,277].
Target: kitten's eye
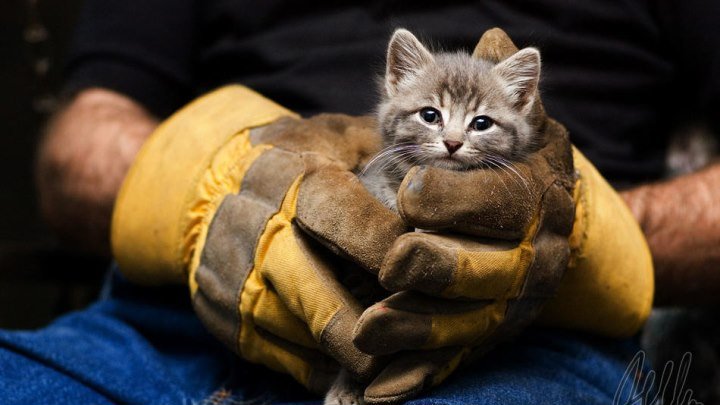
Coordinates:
[430,115]
[481,123]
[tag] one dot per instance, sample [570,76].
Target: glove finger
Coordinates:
[336,209]
[299,269]
[455,266]
[411,321]
[495,203]
[412,372]
[269,313]
[309,367]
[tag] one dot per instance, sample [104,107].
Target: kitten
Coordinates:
[449,110]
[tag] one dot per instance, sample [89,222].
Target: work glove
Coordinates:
[215,157]
[257,211]
[499,244]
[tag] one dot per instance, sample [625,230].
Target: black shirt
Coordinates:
[620,74]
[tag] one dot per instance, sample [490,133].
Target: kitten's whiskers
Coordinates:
[508,168]
[395,161]
[387,152]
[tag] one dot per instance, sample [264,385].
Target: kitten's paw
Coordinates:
[345,392]
[346,397]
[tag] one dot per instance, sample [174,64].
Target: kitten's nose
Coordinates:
[452,146]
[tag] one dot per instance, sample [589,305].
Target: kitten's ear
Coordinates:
[521,73]
[406,56]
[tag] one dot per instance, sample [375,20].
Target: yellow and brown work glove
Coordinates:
[251,207]
[501,242]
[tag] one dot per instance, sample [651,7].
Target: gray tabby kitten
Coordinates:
[449,110]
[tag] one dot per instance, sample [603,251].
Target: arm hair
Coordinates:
[82,160]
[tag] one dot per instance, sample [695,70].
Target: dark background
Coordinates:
[37,279]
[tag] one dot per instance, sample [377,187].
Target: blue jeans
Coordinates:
[145,346]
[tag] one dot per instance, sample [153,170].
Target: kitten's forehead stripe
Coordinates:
[442,99]
[438,99]
[461,87]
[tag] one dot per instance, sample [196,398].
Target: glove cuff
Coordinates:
[608,286]
[191,161]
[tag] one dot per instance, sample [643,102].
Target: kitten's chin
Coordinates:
[449,163]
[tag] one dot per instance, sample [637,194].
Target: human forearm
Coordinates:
[681,221]
[82,161]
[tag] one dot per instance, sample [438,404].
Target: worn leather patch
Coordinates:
[229,251]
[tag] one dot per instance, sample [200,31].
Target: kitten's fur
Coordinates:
[460,88]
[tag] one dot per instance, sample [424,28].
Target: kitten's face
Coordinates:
[455,111]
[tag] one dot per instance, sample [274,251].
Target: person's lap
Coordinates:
[141,346]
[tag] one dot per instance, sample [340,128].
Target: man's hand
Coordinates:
[257,211]
[681,221]
[82,161]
